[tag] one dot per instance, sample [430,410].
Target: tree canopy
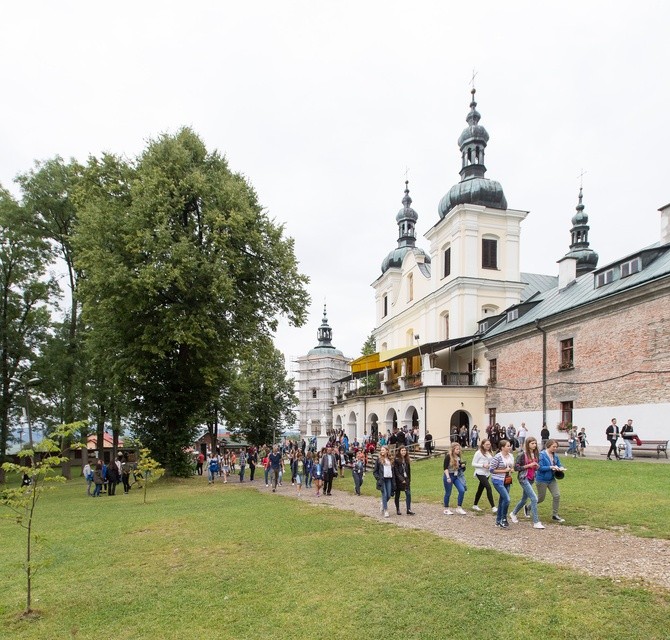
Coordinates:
[182,271]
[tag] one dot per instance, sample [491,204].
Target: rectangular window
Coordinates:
[493,371]
[313,393]
[385,306]
[604,278]
[566,412]
[489,254]
[567,354]
[492,416]
[630,267]
[513,314]
[447,262]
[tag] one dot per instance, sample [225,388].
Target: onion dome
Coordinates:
[406,219]
[324,335]
[587,259]
[474,187]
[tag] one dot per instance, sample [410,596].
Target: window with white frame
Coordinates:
[631,267]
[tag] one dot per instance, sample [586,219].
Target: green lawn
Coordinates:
[626,496]
[230,562]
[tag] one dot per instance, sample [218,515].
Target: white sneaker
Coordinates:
[448,512]
[513,518]
[460,511]
[538,525]
[476,507]
[494,509]
[386,514]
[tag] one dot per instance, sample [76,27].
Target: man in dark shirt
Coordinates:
[612,434]
[329,465]
[275,459]
[544,436]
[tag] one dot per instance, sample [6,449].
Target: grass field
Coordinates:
[230,562]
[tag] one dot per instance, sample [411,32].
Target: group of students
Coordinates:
[104,477]
[533,467]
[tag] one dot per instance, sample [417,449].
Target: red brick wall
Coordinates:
[607,344]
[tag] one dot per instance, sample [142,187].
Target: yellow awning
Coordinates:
[387,356]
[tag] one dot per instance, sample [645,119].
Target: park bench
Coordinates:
[648,446]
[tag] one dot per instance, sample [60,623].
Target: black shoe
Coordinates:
[411,513]
[609,458]
[504,524]
[398,512]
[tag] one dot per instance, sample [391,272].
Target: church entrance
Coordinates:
[460,428]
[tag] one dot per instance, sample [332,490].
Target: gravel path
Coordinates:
[596,552]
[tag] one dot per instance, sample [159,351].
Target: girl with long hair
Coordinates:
[481,462]
[383,473]
[501,467]
[402,477]
[527,464]
[453,465]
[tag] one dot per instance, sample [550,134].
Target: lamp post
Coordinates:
[25,384]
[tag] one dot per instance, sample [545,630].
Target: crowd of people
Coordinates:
[104,477]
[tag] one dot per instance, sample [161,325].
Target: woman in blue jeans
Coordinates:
[527,464]
[453,477]
[383,473]
[502,465]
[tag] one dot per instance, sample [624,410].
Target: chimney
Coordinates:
[665,224]
[567,271]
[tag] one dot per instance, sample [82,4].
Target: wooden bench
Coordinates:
[648,446]
[563,444]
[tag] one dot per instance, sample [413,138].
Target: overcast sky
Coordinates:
[323,105]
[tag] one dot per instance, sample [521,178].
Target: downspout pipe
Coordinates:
[544,371]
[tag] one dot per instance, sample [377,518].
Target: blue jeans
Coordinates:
[387,492]
[242,467]
[503,503]
[267,476]
[628,449]
[455,482]
[528,495]
[96,491]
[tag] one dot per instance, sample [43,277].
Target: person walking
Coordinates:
[612,435]
[383,473]
[329,465]
[309,465]
[243,463]
[544,435]
[546,477]
[253,461]
[628,435]
[452,468]
[357,472]
[527,464]
[522,435]
[275,463]
[126,470]
[317,473]
[501,468]
[199,462]
[298,471]
[474,437]
[212,471]
[481,462]
[402,477]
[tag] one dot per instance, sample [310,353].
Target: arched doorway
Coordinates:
[351,426]
[373,427]
[391,420]
[460,419]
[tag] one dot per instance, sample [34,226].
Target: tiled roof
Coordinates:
[582,290]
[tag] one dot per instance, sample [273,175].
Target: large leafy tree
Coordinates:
[261,402]
[25,291]
[183,269]
[49,195]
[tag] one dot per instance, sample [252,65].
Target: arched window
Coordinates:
[410,287]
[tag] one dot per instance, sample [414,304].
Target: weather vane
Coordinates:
[472,80]
[406,174]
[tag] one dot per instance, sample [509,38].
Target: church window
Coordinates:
[447,262]
[489,253]
[567,354]
[630,267]
[410,287]
[566,412]
[385,304]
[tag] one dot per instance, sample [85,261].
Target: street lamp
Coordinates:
[25,384]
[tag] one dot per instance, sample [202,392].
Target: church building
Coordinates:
[465,338]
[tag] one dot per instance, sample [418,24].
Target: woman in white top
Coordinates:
[501,467]
[481,463]
[383,473]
